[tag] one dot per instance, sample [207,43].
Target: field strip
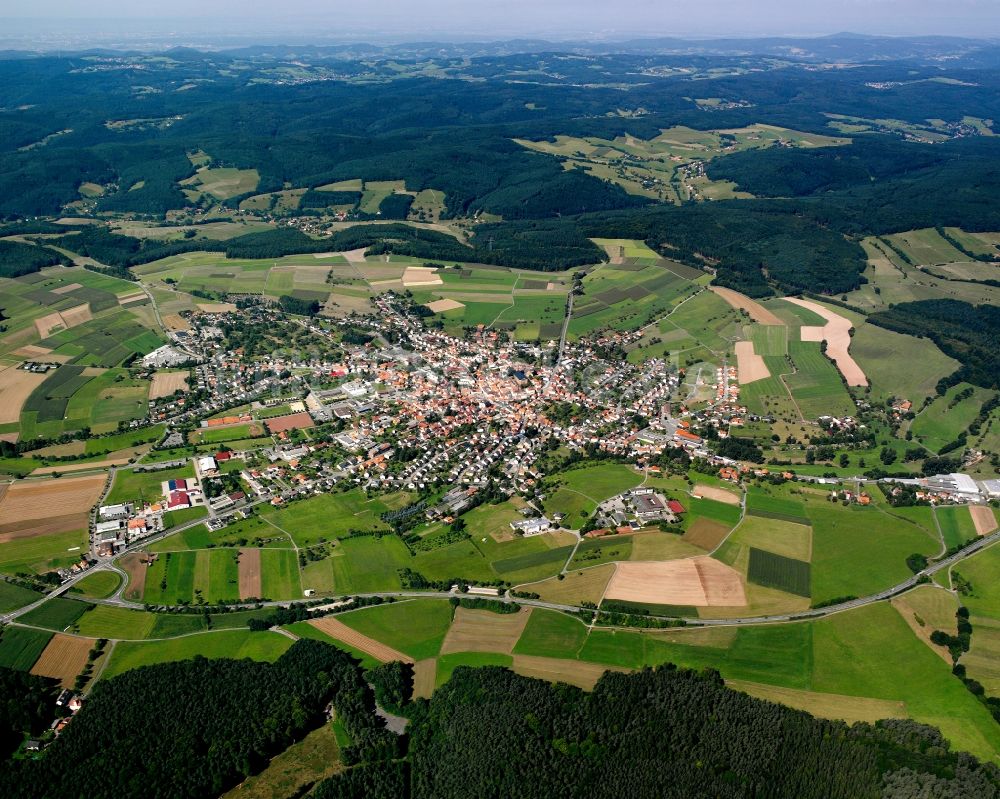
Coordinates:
[983,519]
[575,672]
[424,675]
[742,302]
[827,706]
[697,581]
[484,631]
[15,387]
[63,658]
[249,573]
[837,334]
[337,629]
[750,366]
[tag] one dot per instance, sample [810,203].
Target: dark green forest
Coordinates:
[196,728]
[456,135]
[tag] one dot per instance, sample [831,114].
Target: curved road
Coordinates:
[813,613]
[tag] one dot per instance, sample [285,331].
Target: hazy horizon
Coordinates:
[51,22]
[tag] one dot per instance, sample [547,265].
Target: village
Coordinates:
[418,410]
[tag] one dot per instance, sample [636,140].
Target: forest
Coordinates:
[136,140]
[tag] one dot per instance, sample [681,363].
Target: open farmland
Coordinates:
[63,658]
[20,647]
[695,582]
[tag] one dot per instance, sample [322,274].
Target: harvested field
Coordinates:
[250,574]
[983,518]
[49,324]
[718,494]
[575,672]
[421,276]
[424,673]
[135,296]
[35,528]
[757,312]
[15,387]
[32,351]
[837,335]
[166,383]
[291,422]
[216,307]
[440,306]
[174,321]
[40,499]
[750,366]
[76,315]
[67,288]
[484,631]
[337,629]
[579,585]
[63,658]
[827,706]
[135,566]
[698,582]
[706,533]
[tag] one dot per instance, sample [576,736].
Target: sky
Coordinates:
[414,20]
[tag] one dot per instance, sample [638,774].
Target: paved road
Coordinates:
[779,618]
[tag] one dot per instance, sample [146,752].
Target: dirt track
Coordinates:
[337,629]
[837,335]
[757,312]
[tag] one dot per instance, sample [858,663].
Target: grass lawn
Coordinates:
[105,621]
[56,614]
[416,627]
[279,574]
[550,633]
[860,551]
[887,359]
[98,585]
[580,490]
[43,552]
[130,486]
[956,524]
[365,564]
[237,644]
[981,571]
[13,596]
[330,516]
[773,535]
[941,421]
[20,647]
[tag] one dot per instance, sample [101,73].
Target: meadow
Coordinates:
[947,416]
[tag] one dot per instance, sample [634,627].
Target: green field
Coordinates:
[207,575]
[20,647]
[816,385]
[887,359]
[580,490]
[56,614]
[956,525]
[859,551]
[265,646]
[330,516]
[130,486]
[42,553]
[769,506]
[14,596]
[777,571]
[279,574]
[941,421]
[98,585]
[415,627]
